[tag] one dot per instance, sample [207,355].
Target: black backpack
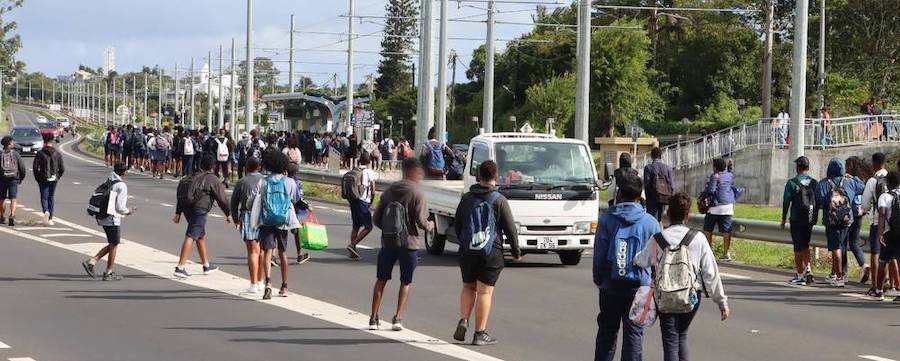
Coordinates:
[352,186]
[619,177]
[661,187]
[190,189]
[99,201]
[880,186]
[803,203]
[894,220]
[394,233]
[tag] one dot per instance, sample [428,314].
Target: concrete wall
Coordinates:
[764,171]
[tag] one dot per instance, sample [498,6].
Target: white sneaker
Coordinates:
[839,282]
[892,293]
[252,290]
[51,222]
[47,218]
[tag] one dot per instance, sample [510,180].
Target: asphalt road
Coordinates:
[542,311]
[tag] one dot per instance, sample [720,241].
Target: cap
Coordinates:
[802,161]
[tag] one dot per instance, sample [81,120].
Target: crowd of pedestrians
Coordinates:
[47,167]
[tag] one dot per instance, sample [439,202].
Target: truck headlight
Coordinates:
[587,227]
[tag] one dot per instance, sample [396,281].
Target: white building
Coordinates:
[205,79]
[109,60]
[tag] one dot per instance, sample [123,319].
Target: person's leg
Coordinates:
[483,300]
[185,251]
[632,334]
[13,204]
[225,172]
[51,197]
[111,257]
[267,266]
[2,207]
[253,260]
[408,262]
[201,250]
[894,273]
[853,242]
[377,294]
[282,255]
[669,335]
[874,250]
[682,324]
[101,253]
[44,189]
[608,322]
[709,224]
[467,300]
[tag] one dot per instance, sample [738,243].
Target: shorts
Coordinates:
[360,214]
[157,155]
[106,148]
[248,233]
[388,257]
[9,188]
[800,236]
[113,234]
[483,269]
[140,153]
[836,237]
[196,223]
[115,148]
[712,220]
[272,237]
[874,245]
[891,249]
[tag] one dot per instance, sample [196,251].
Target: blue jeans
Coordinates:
[48,192]
[853,242]
[656,210]
[188,165]
[674,330]
[614,307]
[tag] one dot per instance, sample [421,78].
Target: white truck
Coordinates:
[552,188]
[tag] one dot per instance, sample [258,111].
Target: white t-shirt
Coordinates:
[368,177]
[723,210]
[885,202]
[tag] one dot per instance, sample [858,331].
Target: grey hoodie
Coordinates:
[411,197]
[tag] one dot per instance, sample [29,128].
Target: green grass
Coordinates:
[780,256]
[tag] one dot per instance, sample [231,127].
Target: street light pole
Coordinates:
[177,107]
[767,61]
[209,97]
[425,106]
[487,114]
[159,114]
[233,96]
[193,120]
[583,72]
[441,124]
[820,81]
[798,79]
[221,90]
[349,101]
[248,107]
[291,56]
[146,90]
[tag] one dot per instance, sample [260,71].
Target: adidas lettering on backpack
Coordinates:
[620,257]
[394,233]
[9,165]
[480,229]
[804,202]
[98,204]
[276,203]
[352,187]
[221,151]
[840,213]
[675,280]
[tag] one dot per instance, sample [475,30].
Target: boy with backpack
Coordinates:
[111,195]
[433,159]
[48,168]
[875,187]
[484,218]
[223,149]
[619,175]
[888,236]
[241,203]
[196,195]
[721,186]
[12,174]
[800,200]
[400,214]
[659,184]
[682,260]
[358,188]
[834,195]
[273,215]
[302,210]
[621,232]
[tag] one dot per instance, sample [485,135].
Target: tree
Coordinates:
[865,41]
[10,43]
[554,98]
[399,33]
[264,74]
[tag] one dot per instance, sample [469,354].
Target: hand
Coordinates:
[881,240]
[517,259]
[132,211]
[725,313]
[237,226]
[228,220]
[176,219]
[782,224]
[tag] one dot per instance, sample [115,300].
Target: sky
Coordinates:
[58,35]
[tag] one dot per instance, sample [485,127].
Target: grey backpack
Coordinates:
[394,233]
[675,280]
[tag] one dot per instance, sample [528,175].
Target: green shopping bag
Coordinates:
[313,236]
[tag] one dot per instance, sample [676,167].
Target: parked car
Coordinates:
[50,128]
[28,139]
[64,123]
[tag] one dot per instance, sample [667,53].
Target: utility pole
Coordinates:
[291,56]
[248,107]
[767,60]
[177,105]
[42,91]
[453,58]
[105,103]
[146,90]
[441,124]
[820,81]
[209,97]
[193,121]
[583,72]
[134,97]
[124,100]
[798,79]
[159,114]
[425,109]
[349,101]
[221,96]
[113,96]
[233,96]
[487,115]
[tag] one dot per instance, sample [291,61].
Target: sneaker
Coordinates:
[2,220]
[11,222]
[865,275]
[397,324]
[875,295]
[301,259]
[482,339]
[354,254]
[274,261]
[112,276]
[839,282]
[51,222]
[798,281]
[726,258]
[374,324]
[210,269]
[181,273]
[267,293]
[461,329]
[252,290]
[46,218]
[809,278]
[89,268]
[892,293]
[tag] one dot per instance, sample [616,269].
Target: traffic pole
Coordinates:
[583,72]
[798,79]
[220,97]
[233,96]
[441,124]
[487,115]
[349,101]
[291,56]
[248,107]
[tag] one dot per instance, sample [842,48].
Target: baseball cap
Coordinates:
[802,161]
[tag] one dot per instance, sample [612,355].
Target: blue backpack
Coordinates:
[479,230]
[620,256]
[435,155]
[276,203]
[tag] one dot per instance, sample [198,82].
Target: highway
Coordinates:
[50,310]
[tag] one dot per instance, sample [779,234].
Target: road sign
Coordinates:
[362,118]
[526,128]
[274,117]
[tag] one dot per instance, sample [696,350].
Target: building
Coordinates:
[109,60]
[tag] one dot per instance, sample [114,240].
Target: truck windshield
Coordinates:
[545,164]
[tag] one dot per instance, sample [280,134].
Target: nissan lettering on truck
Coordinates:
[551,184]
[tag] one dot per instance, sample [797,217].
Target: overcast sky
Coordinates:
[58,35]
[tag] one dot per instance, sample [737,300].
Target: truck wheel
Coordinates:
[435,242]
[570,258]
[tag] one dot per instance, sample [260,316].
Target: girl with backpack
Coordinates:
[676,308]
[721,185]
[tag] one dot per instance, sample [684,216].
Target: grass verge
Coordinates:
[780,256]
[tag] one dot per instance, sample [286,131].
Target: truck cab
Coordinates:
[552,188]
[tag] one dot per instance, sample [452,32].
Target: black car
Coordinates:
[28,139]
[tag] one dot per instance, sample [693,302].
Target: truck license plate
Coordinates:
[26,149]
[547,243]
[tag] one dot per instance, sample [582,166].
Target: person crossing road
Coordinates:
[196,195]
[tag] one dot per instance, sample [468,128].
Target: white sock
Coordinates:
[206,264]
[180,268]
[92,261]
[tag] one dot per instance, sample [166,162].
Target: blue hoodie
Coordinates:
[852,185]
[620,216]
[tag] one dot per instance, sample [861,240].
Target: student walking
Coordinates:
[433,158]
[800,201]
[621,233]
[834,195]
[358,188]
[875,187]
[484,220]
[240,205]
[888,235]
[12,174]
[855,171]
[196,195]
[721,186]
[223,149]
[48,168]
[303,213]
[619,175]
[113,192]
[400,214]
[659,184]
[668,245]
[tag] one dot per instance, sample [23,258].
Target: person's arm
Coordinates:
[122,199]
[601,243]
[711,184]
[37,167]
[61,165]
[379,212]
[882,219]
[460,211]
[670,177]
[23,172]
[235,202]
[709,271]
[868,195]
[648,177]
[786,199]
[508,225]
[421,209]
[218,194]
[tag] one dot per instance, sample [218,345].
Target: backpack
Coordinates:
[98,204]
[9,165]
[675,280]
[457,168]
[405,150]
[188,146]
[383,147]
[112,138]
[160,143]
[433,157]
[253,149]
[394,233]
[318,144]
[190,189]
[880,186]
[352,187]
[840,212]
[705,201]
[803,204]
[620,257]
[479,229]
[51,169]
[661,187]
[619,176]
[221,151]
[276,203]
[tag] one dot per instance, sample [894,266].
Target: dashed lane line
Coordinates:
[27,209]
[734,276]
[3,345]
[43,229]
[875,358]
[55,235]
[362,246]
[158,263]
[21,359]
[166,205]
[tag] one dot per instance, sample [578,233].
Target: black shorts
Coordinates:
[483,269]
[272,237]
[891,249]
[196,223]
[113,234]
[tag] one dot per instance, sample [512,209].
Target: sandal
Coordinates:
[283,292]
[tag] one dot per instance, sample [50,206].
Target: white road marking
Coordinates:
[363,246]
[76,183]
[28,209]
[54,235]
[166,205]
[864,297]
[155,262]
[3,345]
[21,359]
[216,215]
[734,276]
[786,284]
[43,229]
[875,358]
